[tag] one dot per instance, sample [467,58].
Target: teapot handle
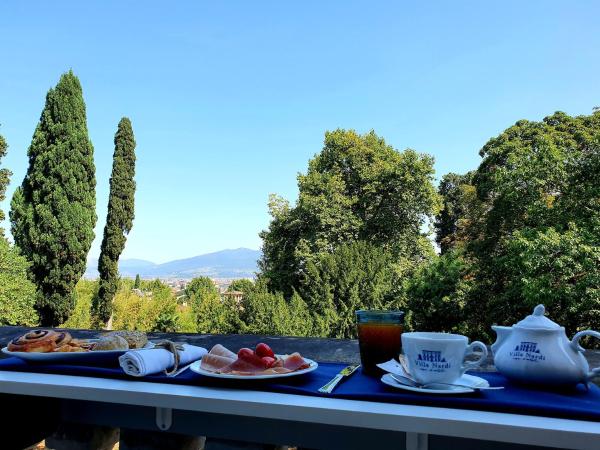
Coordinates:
[578,348]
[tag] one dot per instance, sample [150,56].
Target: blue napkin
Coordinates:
[575,403]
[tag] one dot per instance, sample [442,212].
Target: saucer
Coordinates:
[469,380]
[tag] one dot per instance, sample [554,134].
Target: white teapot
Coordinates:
[536,350]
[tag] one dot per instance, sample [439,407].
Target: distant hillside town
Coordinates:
[178,286]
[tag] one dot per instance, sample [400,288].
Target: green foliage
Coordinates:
[523,229]
[268,313]
[138,282]
[200,287]
[300,320]
[538,174]
[358,275]
[458,201]
[539,184]
[186,319]
[559,269]
[265,313]
[357,188]
[17,293]
[241,285]
[438,294]
[119,220]
[280,262]
[156,310]
[53,212]
[212,314]
[85,291]
[167,320]
[5,175]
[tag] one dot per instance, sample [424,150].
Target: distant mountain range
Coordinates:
[237,263]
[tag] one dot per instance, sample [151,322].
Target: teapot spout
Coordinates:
[501,335]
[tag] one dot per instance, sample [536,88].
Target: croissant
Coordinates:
[40,341]
[70,348]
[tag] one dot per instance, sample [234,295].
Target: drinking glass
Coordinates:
[379,338]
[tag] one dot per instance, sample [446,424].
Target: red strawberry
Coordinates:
[263,350]
[247,355]
[268,361]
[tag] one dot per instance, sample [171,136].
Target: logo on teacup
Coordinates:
[527,351]
[432,361]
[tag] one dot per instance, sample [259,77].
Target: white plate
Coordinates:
[469,380]
[195,367]
[70,357]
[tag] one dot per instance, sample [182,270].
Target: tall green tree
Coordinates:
[439,293]
[560,269]
[242,285]
[538,237]
[300,319]
[266,313]
[357,188]
[53,212]
[212,314]
[119,220]
[5,175]
[357,275]
[457,195]
[538,174]
[200,287]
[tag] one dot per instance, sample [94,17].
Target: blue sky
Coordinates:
[229,100]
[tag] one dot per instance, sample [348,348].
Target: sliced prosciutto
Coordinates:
[217,359]
[222,351]
[215,363]
[295,362]
[248,362]
[242,365]
[271,371]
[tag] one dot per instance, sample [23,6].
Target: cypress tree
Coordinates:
[4,180]
[54,210]
[119,220]
[138,282]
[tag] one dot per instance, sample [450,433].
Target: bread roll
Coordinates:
[112,342]
[135,339]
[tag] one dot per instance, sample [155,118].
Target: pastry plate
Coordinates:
[195,367]
[469,380]
[71,357]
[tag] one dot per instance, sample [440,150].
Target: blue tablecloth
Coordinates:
[576,403]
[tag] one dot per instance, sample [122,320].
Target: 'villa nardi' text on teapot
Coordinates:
[536,350]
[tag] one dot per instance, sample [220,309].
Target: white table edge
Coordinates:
[503,427]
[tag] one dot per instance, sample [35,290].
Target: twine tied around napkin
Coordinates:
[149,361]
[174,348]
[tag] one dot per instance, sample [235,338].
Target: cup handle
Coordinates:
[578,348]
[471,349]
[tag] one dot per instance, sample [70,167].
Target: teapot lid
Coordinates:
[538,321]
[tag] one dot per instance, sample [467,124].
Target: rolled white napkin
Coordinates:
[139,363]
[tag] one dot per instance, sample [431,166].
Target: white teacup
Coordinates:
[439,357]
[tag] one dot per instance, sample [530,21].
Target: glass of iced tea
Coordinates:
[379,338]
